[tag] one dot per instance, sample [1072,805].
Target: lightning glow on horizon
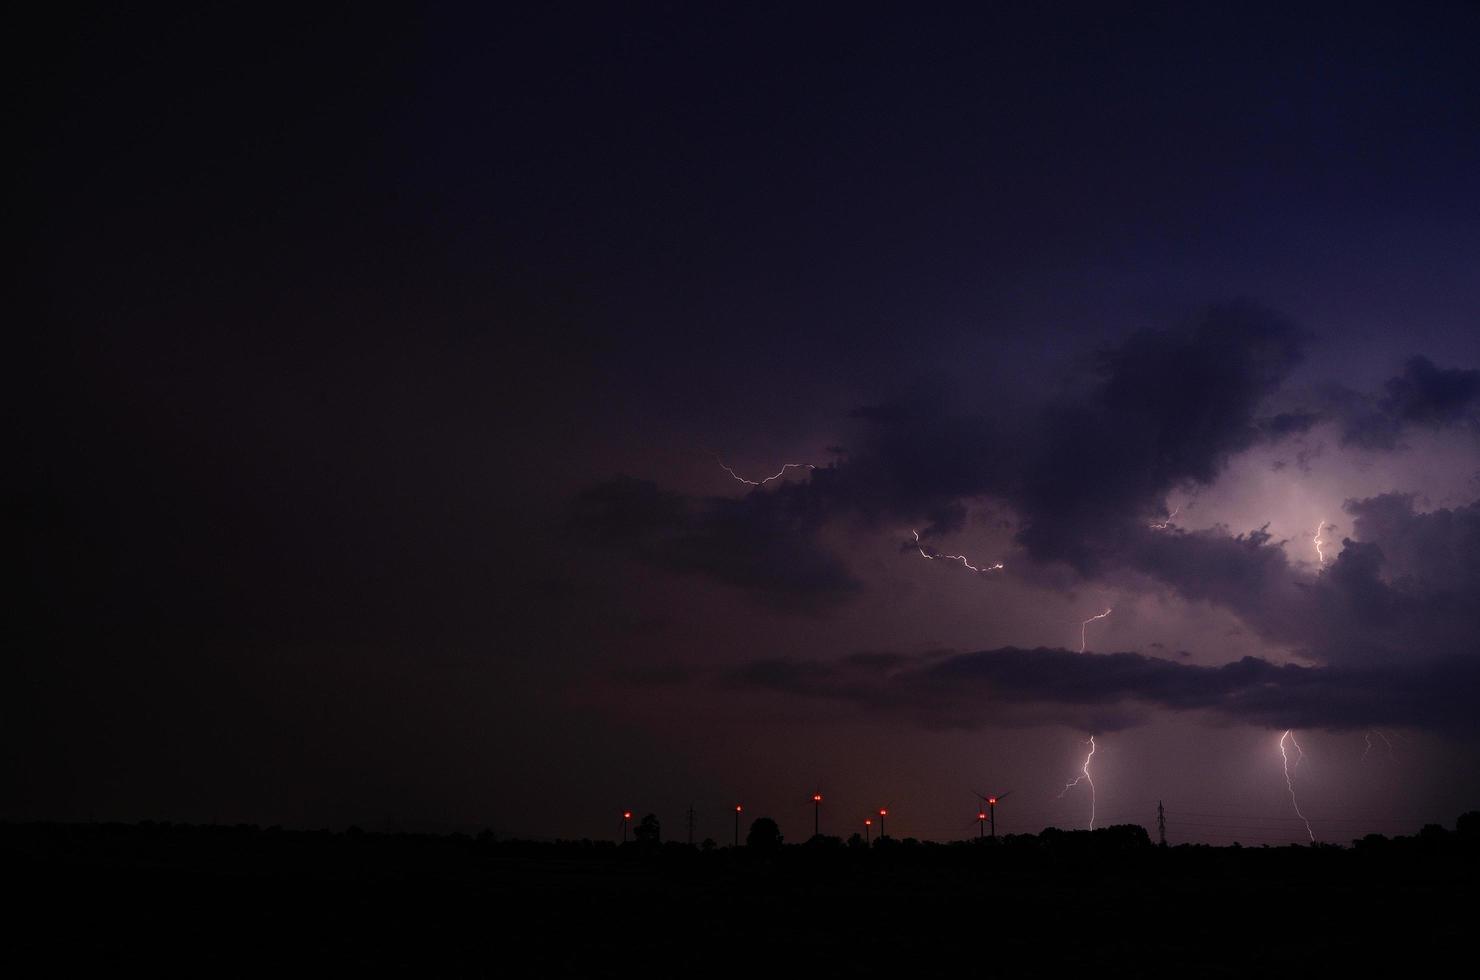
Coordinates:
[1084,777]
[994,567]
[774,476]
[1082,625]
[1290,777]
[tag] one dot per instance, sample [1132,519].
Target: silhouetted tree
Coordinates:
[1433,835]
[764,835]
[857,841]
[708,844]
[1468,826]
[647,831]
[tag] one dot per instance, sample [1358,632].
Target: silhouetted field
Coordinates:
[243,899]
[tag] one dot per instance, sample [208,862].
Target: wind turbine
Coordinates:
[991,801]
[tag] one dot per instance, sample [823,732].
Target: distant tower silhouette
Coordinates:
[816,814]
[626,819]
[981,825]
[883,812]
[868,831]
[738,808]
[1161,823]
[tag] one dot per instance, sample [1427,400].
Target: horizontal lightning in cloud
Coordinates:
[994,567]
[774,476]
[1163,525]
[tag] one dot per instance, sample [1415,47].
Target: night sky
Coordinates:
[382,387]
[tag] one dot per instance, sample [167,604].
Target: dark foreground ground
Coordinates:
[212,900]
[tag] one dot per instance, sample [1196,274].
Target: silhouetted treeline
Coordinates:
[215,899]
[253,849]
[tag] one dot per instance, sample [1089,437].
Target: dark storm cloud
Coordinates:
[1287,424]
[1400,591]
[1083,475]
[1422,396]
[1104,692]
[1170,410]
[1163,409]
[763,543]
[1428,395]
[1389,621]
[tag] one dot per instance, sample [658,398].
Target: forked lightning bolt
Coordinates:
[1086,623]
[774,476]
[1320,551]
[1290,777]
[994,567]
[1084,777]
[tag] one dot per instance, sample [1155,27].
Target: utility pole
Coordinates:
[691,824]
[1161,823]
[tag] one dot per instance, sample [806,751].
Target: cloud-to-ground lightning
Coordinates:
[1086,623]
[994,567]
[1385,740]
[1084,777]
[1290,777]
[774,476]
[1320,550]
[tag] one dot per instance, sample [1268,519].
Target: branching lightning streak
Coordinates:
[1320,552]
[774,476]
[994,567]
[1086,623]
[1084,777]
[1290,777]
